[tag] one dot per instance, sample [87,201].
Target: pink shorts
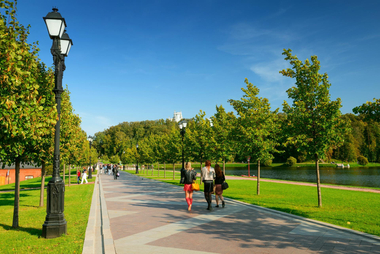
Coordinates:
[187,187]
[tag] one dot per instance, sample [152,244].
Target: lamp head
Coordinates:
[55,23]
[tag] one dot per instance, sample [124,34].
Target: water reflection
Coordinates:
[366,177]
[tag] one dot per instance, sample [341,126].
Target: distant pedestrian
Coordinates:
[208,174]
[78,175]
[188,175]
[115,172]
[84,176]
[219,179]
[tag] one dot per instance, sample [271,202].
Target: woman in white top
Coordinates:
[208,174]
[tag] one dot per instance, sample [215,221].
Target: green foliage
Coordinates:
[313,122]
[115,159]
[371,110]
[105,158]
[198,139]
[267,163]
[257,127]
[291,161]
[362,160]
[223,146]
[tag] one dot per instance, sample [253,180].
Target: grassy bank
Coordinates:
[26,239]
[351,209]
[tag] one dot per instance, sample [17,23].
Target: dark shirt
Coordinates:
[219,180]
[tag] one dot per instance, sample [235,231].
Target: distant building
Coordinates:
[177,116]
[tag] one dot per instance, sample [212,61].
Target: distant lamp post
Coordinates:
[55,224]
[137,166]
[182,126]
[90,139]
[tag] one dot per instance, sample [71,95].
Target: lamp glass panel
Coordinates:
[184,124]
[54,26]
[68,48]
[64,47]
[62,29]
[180,126]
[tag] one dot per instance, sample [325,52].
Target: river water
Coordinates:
[365,177]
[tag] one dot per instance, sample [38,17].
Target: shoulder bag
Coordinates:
[195,186]
[224,185]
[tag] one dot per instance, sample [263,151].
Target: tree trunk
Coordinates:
[224,166]
[173,170]
[164,170]
[258,177]
[318,181]
[17,194]
[69,174]
[152,169]
[158,169]
[42,191]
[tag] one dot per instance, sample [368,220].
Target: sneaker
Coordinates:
[217,206]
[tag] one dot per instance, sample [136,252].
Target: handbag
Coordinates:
[195,186]
[224,185]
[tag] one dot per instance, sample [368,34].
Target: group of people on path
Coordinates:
[108,168]
[212,180]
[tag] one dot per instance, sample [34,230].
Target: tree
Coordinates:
[313,121]
[371,112]
[198,138]
[24,116]
[257,127]
[174,147]
[223,125]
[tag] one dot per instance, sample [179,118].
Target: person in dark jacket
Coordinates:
[219,179]
[188,175]
[115,171]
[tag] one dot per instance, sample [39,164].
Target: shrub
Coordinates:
[362,160]
[301,158]
[291,161]
[267,163]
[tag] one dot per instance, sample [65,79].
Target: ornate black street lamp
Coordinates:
[137,166]
[55,224]
[90,139]
[182,127]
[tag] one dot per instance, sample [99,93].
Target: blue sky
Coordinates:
[143,60]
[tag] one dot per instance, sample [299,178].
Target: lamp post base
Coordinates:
[55,224]
[54,229]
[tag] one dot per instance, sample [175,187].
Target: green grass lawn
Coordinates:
[351,209]
[27,238]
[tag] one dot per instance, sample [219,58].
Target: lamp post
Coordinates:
[55,224]
[137,166]
[182,127]
[90,139]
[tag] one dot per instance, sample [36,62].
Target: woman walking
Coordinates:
[220,178]
[208,174]
[188,175]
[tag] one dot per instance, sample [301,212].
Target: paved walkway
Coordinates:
[138,215]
